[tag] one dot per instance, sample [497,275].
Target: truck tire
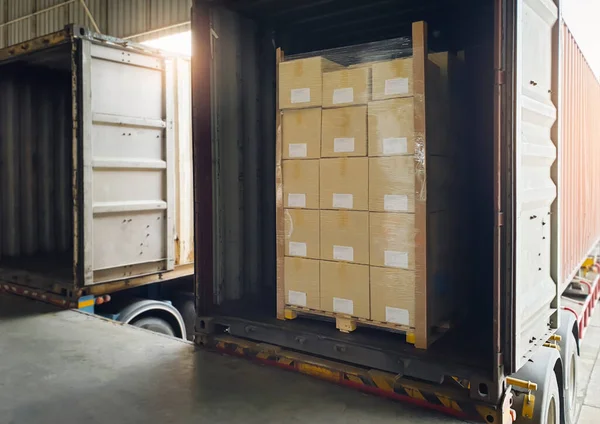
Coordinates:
[155,324]
[551,407]
[571,368]
[569,352]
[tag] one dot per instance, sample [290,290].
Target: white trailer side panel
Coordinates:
[535,290]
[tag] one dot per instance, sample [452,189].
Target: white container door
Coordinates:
[128,163]
[535,301]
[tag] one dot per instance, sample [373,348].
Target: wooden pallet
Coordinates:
[347,323]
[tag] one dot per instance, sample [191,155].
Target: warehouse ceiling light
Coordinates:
[177,43]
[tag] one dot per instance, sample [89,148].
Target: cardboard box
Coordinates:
[301,184]
[301,282]
[344,183]
[301,133]
[392,237]
[345,236]
[392,184]
[302,233]
[344,132]
[345,289]
[392,78]
[391,127]
[301,82]
[347,87]
[393,296]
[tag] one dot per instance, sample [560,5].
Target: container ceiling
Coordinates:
[331,23]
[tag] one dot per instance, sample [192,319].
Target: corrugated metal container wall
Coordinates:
[22,20]
[35,177]
[579,171]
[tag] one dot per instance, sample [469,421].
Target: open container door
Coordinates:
[128,162]
[535,293]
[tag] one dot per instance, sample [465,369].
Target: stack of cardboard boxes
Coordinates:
[348,148]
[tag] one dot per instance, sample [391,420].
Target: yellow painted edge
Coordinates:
[448,403]
[85,303]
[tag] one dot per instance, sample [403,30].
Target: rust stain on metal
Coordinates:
[35,44]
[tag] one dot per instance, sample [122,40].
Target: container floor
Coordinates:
[57,267]
[66,366]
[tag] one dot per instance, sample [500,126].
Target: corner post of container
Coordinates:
[556,210]
[202,156]
[86,211]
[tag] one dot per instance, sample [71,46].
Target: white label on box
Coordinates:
[396,86]
[343,253]
[343,95]
[296,200]
[297,150]
[302,95]
[297,248]
[343,306]
[344,201]
[394,145]
[343,145]
[395,259]
[297,298]
[395,203]
[396,315]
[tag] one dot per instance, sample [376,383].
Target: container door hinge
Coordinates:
[500,77]
[213,36]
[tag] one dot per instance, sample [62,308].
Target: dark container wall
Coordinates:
[36,208]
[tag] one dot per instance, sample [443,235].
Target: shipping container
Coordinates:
[531,206]
[96,172]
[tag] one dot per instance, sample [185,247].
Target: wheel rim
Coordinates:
[552,412]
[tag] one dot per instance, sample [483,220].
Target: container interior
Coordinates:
[243,147]
[36,167]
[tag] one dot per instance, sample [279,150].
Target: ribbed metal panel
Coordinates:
[118,18]
[127,18]
[22,30]
[580,173]
[35,163]
[243,149]
[52,20]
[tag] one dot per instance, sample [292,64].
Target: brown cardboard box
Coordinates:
[344,132]
[302,133]
[345,236]
[344,183]
[345,289]
[392,184]
[392,78]
[347,87]
[301,184]
[392,238]
[301,82]
[393,296]
[391,127]
[302,233]
[301,282]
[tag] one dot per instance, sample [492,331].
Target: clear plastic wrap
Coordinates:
[378,129]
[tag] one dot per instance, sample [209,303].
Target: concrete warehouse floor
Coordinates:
[66,366]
